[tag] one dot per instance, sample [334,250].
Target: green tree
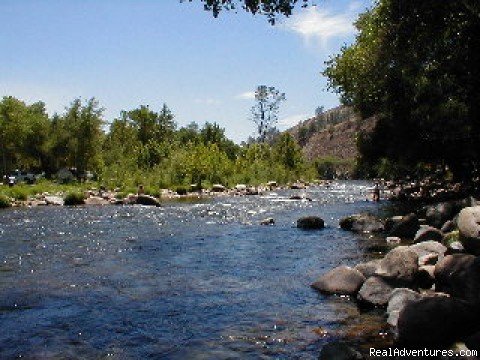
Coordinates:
[265,111]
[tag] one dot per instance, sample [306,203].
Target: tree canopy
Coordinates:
[414,65]
[270,8]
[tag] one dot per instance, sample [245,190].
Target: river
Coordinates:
[189,280]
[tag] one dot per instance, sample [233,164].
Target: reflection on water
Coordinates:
[187,280]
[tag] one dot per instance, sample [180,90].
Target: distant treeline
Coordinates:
[141,146]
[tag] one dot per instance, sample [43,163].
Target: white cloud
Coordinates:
[322,25]
[207,101]
[292,120]
[248,95]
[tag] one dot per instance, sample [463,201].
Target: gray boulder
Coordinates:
[375,291]
[342,280]
[429,248]
[399,265]
[399,298]
[469,229]
[368,268]
[426,233]
[362,223]
[310,223]
[406,227]
[439,213]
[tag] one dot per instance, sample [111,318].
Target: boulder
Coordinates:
[439,213]
[267,221]
[368,268]
[459,276]
[407,227]
[218,188]
[426,233]
[339,351]
[362,223]
[448,226]
[342,280]
[435,322]
[469,229]
[375,291]
[430,259]
[310,223]
[96,200]
[391,222]
[54,200]
[399,265]
[397,301]
[147,200]
[429,248]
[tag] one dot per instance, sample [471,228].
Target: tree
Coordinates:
[414,65]
[288,152]
[270,8]
[265,112]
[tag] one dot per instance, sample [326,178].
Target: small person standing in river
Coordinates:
[376,192]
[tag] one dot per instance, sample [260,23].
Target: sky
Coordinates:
[127,53]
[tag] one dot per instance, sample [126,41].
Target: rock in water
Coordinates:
[368,268]
[407,227]
[375,291]
[426,233]
[399,298]
[268,221]
[310,223]
[399,265]
[339,351]
[342,280]
[469,229]
[146,200]
[362,223]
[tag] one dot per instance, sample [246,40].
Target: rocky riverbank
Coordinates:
[102,196]
[428,283]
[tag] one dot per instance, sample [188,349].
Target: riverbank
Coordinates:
[427,284]
[50,193]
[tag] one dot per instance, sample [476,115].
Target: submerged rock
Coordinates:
[310,223]
[342,280]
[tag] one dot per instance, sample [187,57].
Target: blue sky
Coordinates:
[132,52]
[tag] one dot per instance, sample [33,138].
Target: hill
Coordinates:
[331,134]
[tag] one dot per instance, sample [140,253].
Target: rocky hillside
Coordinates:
[331,134]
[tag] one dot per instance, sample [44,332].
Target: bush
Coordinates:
[181,190]
[4,201]
[19,194]
[74,198]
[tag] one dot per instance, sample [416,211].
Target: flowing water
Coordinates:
[189,280]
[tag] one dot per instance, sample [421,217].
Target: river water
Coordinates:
[189,280]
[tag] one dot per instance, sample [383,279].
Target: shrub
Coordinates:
[4,201]
[19,194]
[74,198]
[181,190]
